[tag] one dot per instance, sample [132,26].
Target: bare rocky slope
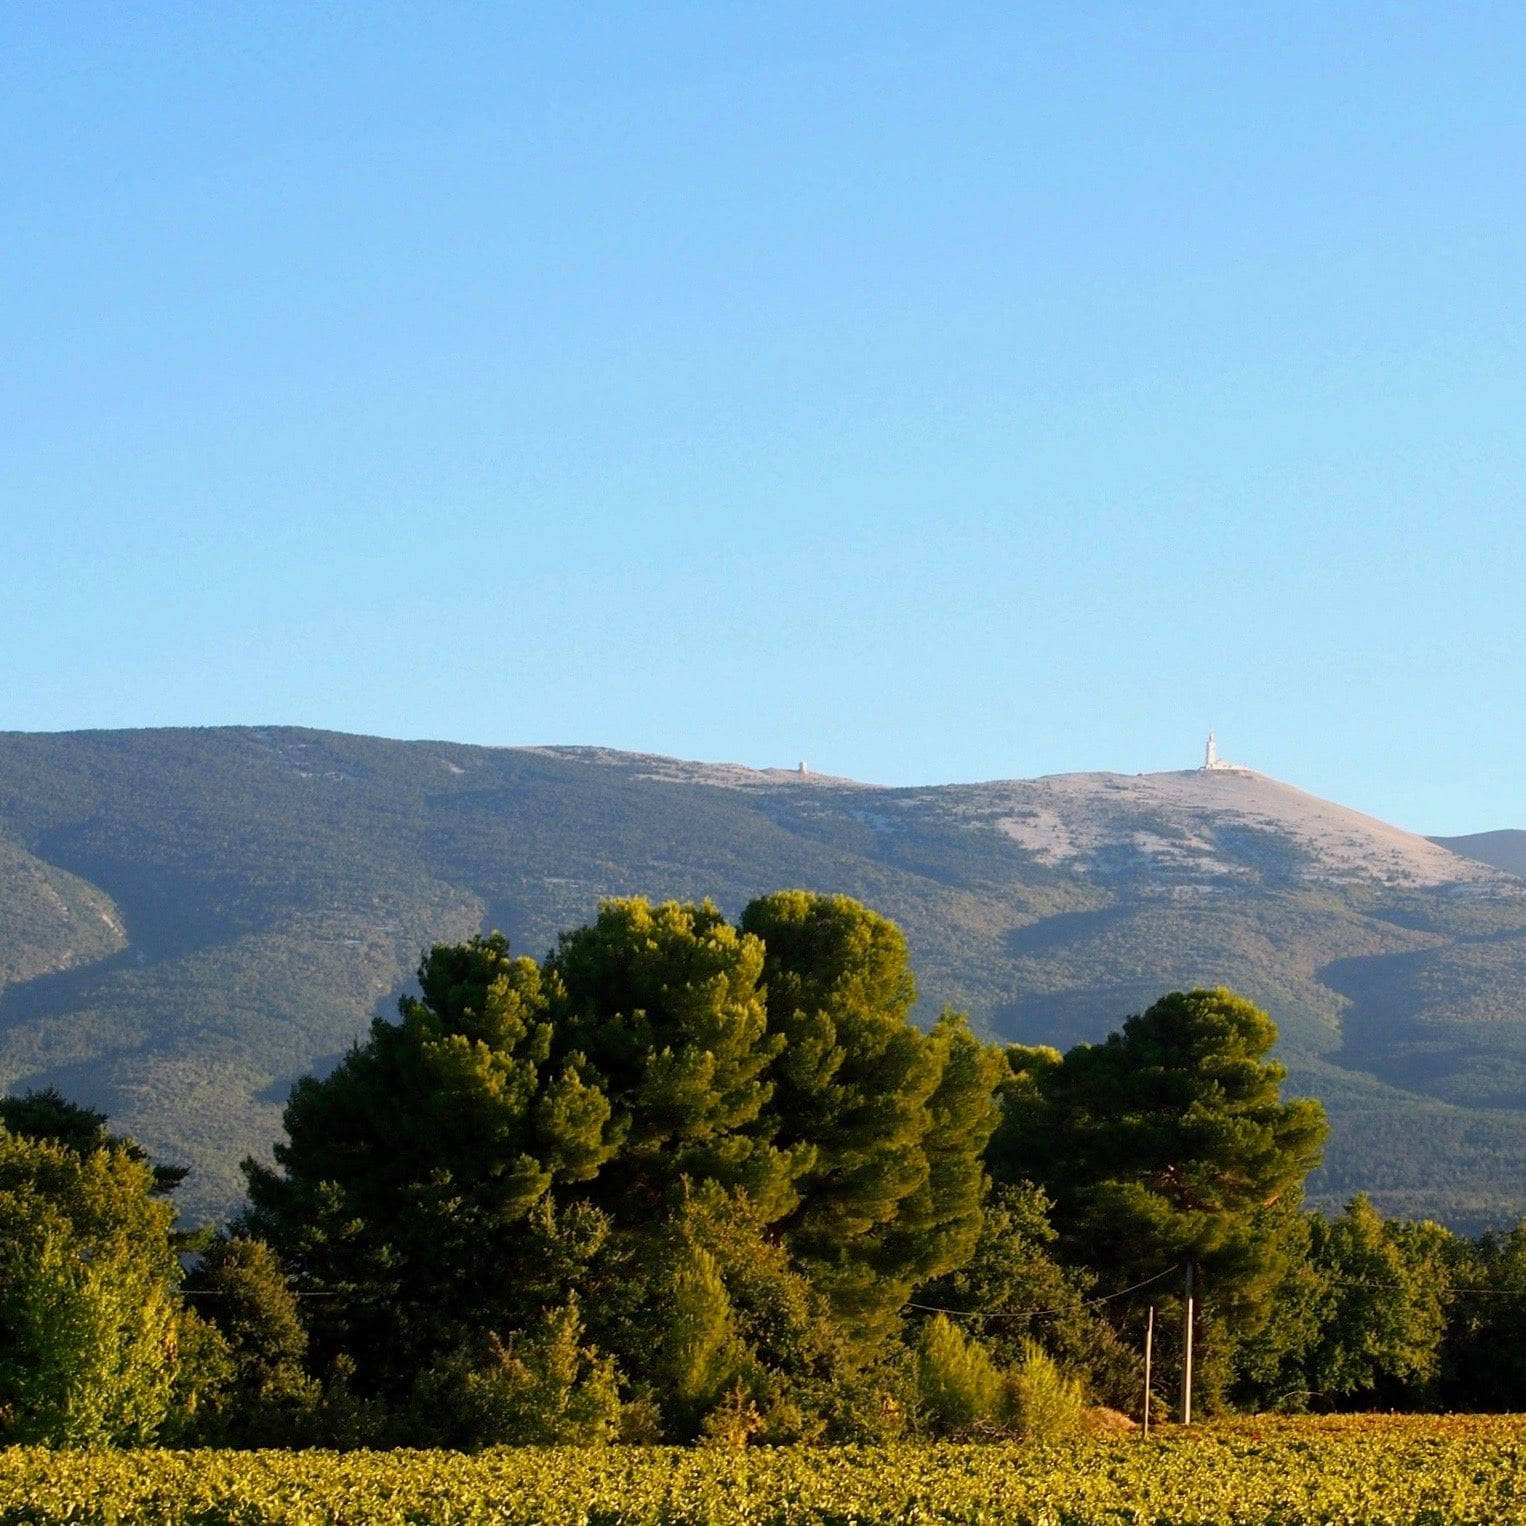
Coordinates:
[191,919]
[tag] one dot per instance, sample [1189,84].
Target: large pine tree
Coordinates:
[668,1105]
[897,1119]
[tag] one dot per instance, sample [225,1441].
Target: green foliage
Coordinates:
[963,1391]
[1267,1474]
[267,1397]
[894,1120]
[959,1387]
[789,1353]
[700,1354]
[1180,1110]
[1043,1403]
[420,1158]
[545,1387]
[88,1320]
[1025,1294]
[1366,1317]
[277,884]
[345,1419]
[201,1393]
[247,1298]
[733,1422]
[1170,1144]
[677,1181]
[707,1305]
[1483,1354]
[939,1224]
[626,1123]
[1270,1371]
[46,1114]
[662,1004]
[1383,1317]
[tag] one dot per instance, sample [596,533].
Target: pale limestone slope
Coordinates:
[1195,824]
[1207,822]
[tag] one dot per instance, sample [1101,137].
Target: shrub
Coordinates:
[545,1388]
[733,1422]
[958,1384]
[1043,1403]
[88,1320]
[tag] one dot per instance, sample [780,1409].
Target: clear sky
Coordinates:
[931,392]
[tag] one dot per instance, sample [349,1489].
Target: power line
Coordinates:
[232,1293]
[1447,1290]
[1085,1303]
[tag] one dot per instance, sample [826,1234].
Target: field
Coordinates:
[1347,1470]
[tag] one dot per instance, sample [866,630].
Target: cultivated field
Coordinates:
[1347,1470]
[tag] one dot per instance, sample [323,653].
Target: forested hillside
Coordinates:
[189,920]
[1505,850]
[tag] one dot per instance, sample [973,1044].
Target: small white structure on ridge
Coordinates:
[1212,760]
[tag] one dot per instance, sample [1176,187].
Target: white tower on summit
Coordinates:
[1212,762]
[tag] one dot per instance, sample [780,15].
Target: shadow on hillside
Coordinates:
[323,1065]
[1063,930]
[62,991]
[279,1089]
[1471,1063]
[88,1083]
[1063,1018]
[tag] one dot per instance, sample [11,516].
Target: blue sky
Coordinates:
[929,392]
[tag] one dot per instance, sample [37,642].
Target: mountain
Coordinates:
[191,919]
[1505,850]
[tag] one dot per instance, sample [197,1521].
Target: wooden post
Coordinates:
[1149,1345]
[1187,1353]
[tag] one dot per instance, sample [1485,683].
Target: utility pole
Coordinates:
[1149,1345]
[1187,1354]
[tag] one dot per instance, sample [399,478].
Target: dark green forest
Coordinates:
[693,1180]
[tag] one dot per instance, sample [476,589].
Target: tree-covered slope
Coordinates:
[241,900]
[52,919]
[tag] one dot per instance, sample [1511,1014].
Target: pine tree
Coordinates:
[1169,1143]
[700,1355]
[896,1119]
[959,1385]
[661,1005]
[408,1174]
[542,1387]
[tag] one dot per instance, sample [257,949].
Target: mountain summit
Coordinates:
[192,919]
[1209,827]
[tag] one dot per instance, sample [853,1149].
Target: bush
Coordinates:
[1043,1403]
[542,1388]
[265,1397]
[958,1384]
[88,1320]
[733,1422]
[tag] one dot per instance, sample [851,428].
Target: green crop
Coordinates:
[1374,1471]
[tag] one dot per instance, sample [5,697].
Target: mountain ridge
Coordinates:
[274,886]
[1504,850]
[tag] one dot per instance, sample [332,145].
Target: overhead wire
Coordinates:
[1084,1303]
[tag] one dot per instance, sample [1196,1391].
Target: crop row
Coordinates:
[1432,1472]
